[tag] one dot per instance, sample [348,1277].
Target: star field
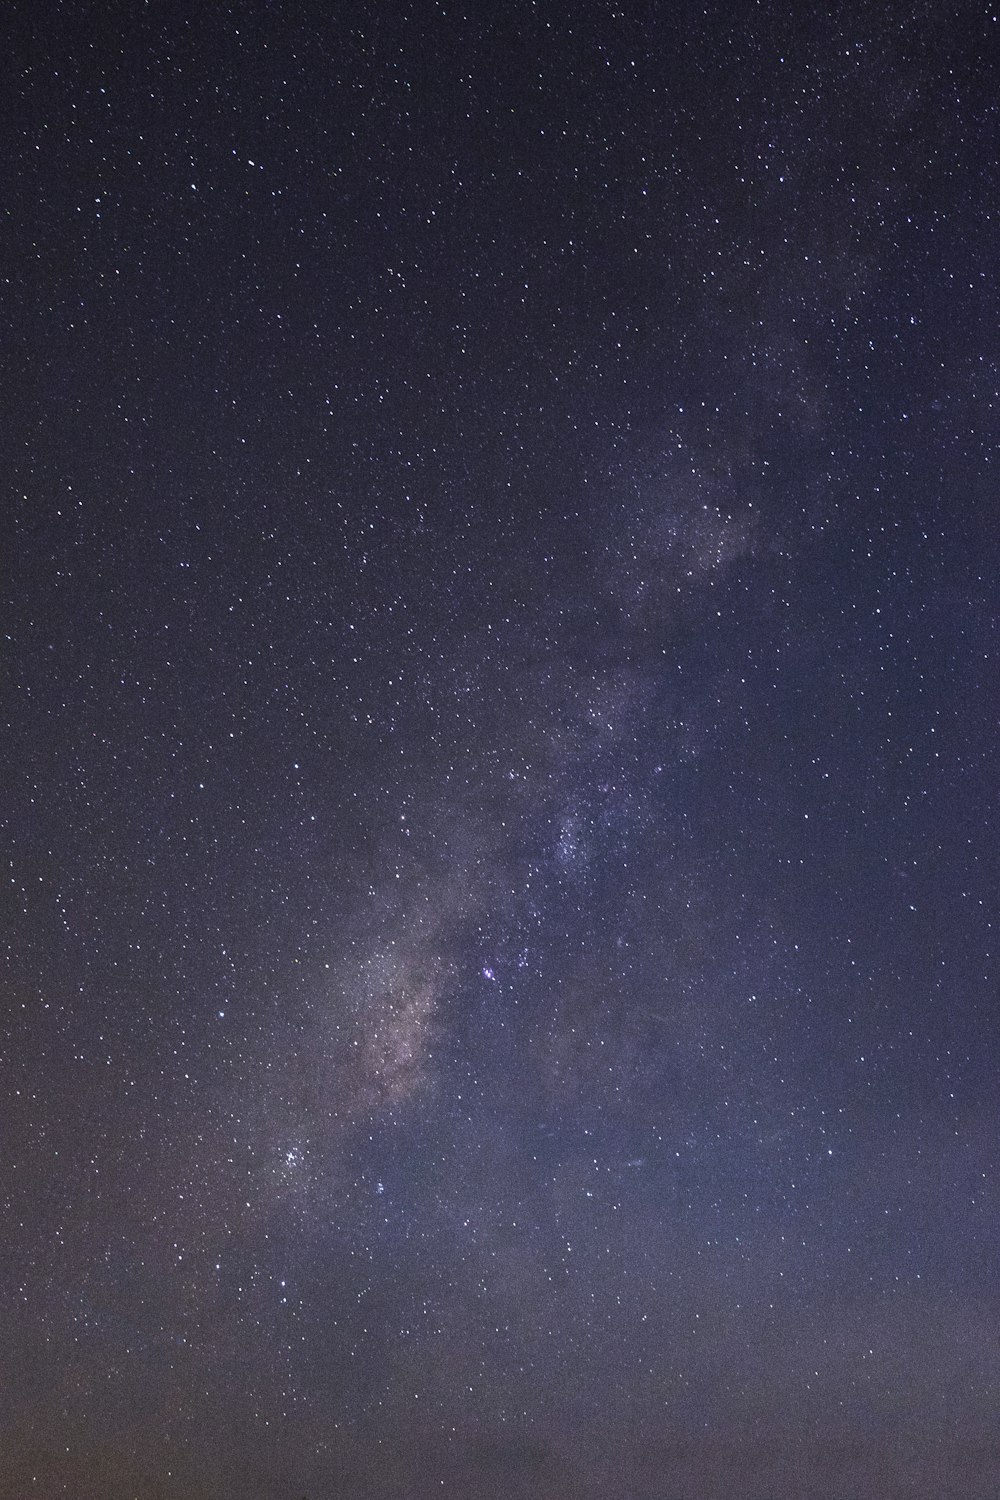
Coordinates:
[499,988]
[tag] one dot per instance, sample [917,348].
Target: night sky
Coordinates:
[499,791]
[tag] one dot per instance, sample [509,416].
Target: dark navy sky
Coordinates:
[500,736]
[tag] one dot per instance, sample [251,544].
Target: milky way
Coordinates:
[499,992]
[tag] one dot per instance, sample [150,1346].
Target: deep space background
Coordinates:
[500,580]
